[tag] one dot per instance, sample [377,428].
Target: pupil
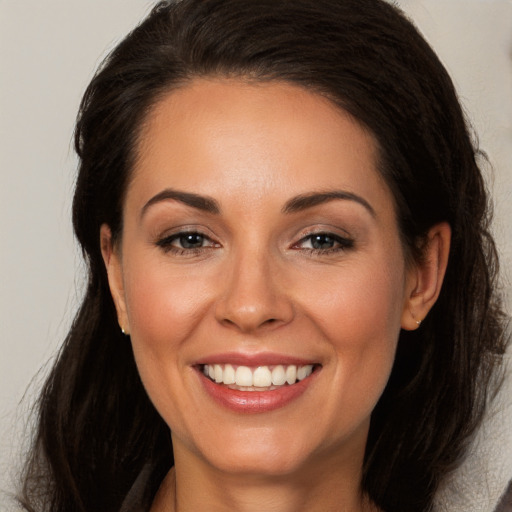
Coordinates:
[191,241]
[322,242]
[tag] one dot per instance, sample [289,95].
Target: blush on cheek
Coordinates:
[164,307]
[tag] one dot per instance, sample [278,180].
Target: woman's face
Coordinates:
[260,246]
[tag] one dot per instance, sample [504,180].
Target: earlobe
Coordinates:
[426,277]
[113,265]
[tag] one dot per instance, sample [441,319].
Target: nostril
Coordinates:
[246,326]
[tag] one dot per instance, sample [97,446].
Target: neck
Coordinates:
[330,486]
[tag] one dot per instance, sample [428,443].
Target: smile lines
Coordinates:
[259,378]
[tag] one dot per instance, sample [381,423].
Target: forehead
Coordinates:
[254,140]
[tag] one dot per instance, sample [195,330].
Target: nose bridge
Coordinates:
[252,297]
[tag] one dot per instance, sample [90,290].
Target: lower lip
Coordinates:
[255,401]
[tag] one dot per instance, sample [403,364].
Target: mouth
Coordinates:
[257,378]
[256,388]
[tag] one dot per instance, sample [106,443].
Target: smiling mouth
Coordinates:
[260,378]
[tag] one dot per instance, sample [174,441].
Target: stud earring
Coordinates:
[418,322]
[124,332]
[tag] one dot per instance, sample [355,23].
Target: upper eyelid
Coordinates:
[178,234]
[324,230]
[184,230]
[342,233]
[334,236]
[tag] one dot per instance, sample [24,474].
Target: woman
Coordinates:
[291,296]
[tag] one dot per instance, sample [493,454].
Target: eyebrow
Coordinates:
[305,201]
[296,204]
[204,203]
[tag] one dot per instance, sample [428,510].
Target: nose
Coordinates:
[253,296]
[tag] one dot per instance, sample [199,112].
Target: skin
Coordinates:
[258,284]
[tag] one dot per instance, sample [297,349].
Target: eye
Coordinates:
[186,242]
[321,241]
[325,243]
[189,240]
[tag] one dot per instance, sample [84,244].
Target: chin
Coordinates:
[269,451]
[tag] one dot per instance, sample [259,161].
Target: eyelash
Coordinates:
[166,243]
[340,243]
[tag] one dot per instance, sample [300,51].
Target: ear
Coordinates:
[113,265]
[425,277]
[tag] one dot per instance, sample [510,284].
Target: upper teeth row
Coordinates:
[261,377]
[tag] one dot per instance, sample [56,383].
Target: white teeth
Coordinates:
[304,371]
[246,378]
[262,378]
[229,375]
[291,374]
[278,376]
[243,376]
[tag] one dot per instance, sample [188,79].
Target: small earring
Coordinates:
[418,322]
[124,332]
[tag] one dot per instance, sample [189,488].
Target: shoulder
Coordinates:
[481,483]
[506,501]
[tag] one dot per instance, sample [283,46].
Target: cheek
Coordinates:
[359,303]
[360,317]
[164,305]
[164,310]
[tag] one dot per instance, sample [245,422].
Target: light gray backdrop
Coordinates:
[48,51]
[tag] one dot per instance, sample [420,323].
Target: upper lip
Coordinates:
[254,360]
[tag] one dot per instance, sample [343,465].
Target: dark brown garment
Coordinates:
[134,501]
[506,501]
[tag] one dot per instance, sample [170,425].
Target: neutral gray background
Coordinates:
[48,52]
